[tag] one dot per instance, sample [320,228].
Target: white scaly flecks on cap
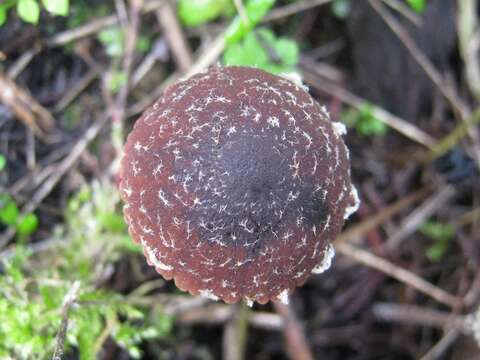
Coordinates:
[248,301]
[328,255]
[352,208]
[339,128]
[283,297]
[152,257]
[472,324]
[208,294]
[296,78]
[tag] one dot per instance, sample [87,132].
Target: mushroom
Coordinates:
[235,182]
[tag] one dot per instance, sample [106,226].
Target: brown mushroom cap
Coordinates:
[235,182]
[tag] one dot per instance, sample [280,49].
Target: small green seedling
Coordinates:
[418,5]
[364,121]
[255,11]
[10,216]
[3,162]
[195,12]
[441,235]
[29,10]
[113,40]
[262,49]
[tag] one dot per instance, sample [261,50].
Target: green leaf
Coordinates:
[3,16]
[441,235]
[364,121]
[143,43]
[196,12]
[248,53]
[112,222]
[52,296]
[3,160]
[57,7]
[28,10]
[27,225]
[417,5]
[9,212]
[234,55]
[255,51]
[117,80]
[113,40]
[256,10]
[288,51]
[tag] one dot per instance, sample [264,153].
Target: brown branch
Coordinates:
[68,301]
[438,351]
[191,311]
[362,228]
[176,40]
[96,25]
[58,174]
[409,130]
[292,9]
[26,108]
[416,315]
[403,9]
[469,42]
[419,215]
[76,90]
[235,333]
[403,275]
[296,342]
[118,113]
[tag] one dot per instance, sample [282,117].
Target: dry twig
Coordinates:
[242,12]
[96,25]
[409,130]
[198,313]
[403,9]
[292,9]
[76,90]
[235,333]
[469,42]
[207,58]
[358,230]
[118,113]
[68,301]
[58,174]
[437,351]
[403,275]
[26,108]
[173,32]
[416,315]
[419,215]
[296,342]
[452,139]
[22,62]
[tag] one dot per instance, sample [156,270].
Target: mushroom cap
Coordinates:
[235,182]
